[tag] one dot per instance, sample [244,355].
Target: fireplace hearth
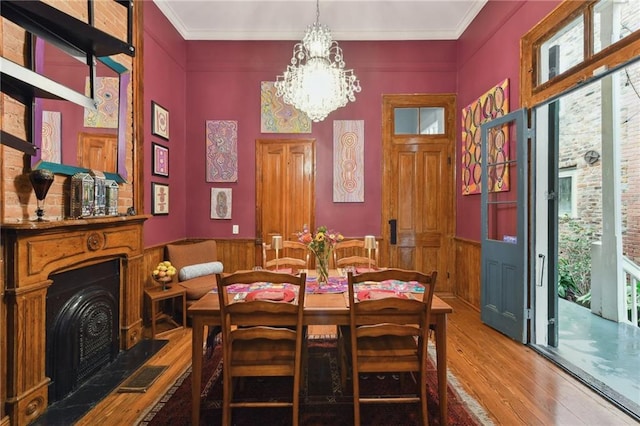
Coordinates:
[82,325]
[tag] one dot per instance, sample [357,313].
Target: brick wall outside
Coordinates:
[581,130]
[17,199]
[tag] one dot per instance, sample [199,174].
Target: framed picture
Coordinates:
[159,198]
[159,121]
[160,160]
[220,203]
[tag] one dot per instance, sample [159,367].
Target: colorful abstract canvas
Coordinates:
[107,98]
[348,161]
[51,137]
[278,117]
[222,150]
[492,104]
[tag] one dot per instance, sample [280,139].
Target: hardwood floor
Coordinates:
[514,384]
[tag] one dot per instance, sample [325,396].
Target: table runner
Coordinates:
[335,285]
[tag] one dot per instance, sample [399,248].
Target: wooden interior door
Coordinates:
[98,152]
[418,206]
[285,189]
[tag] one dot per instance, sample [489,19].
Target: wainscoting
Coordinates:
[234,255]
[467,271]
[245,254]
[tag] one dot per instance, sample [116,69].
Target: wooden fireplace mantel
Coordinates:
[35,250]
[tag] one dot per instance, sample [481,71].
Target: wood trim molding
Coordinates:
[33,251]
[467,271]
[609,58]
[138,107]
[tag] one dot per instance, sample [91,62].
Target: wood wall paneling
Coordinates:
[32,252]
[467,271]
[235,254]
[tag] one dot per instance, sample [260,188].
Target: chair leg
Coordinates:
[296,401]
[423,398]
[344,354]
[355,380]
[227,390]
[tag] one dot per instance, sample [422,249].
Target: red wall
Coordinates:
[165,83]
[205,80]
[489,52]
[223,83]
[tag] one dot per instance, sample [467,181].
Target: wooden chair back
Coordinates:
[294,255]
[353,253]
[389,334]
[261,337]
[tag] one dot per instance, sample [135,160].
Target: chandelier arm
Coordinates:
[316,82]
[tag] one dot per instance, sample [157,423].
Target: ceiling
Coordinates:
[347,19]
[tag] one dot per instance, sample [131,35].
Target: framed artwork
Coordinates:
[159,198]
[222,150]
[50,149]
[220,203]
[107,93]
[160,160]
[492,104]
[277,116]
[159,121]
[348,161]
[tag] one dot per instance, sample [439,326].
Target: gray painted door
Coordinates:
[504,224]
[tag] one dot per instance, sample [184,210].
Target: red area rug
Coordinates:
[323,402]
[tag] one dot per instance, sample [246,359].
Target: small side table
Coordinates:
[157,294]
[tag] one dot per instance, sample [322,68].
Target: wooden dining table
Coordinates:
[319,309]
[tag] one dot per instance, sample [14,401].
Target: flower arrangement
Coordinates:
[321,244]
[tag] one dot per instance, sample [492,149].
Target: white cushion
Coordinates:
[199,270]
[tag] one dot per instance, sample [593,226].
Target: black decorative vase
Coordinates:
[41,181]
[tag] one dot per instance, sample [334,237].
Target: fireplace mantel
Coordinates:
[35,250]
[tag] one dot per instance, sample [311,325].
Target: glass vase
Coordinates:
[322,267]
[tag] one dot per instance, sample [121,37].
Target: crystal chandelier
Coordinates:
[316,81]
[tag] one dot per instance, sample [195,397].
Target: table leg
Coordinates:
[153,319]
[441,356]
[184,310]
[196,368]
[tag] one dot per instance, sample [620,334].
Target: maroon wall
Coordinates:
[165,83]
[206,80]
[489,52]
[223,83]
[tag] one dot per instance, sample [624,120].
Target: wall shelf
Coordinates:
[68,33]
[56,26]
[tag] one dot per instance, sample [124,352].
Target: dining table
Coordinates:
[322,307]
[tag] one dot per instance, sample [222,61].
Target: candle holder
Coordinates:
[41,181]
[369,244]
[276,244]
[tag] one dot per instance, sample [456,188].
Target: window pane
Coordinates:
[406,121]
[431,121]
[614,20]
[565,196]
[562,51]
[419,121]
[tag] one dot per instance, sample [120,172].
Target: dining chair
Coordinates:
[388,333]
[353,253]
[262,335]
[295,256]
